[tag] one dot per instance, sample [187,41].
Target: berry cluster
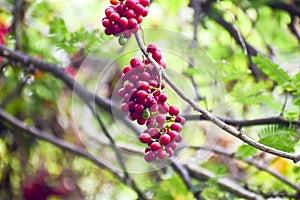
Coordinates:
[123,17]
[144,100]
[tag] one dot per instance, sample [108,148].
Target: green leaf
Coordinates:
[272,70]
[245,151]
[279,137]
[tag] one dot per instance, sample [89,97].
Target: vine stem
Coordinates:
[206,114]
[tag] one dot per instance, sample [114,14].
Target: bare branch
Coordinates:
[204,174]
[209,116]
[253,122]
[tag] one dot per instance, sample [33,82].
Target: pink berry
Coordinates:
[176,127]
[150,156]
[106,23]
[162,97]
[142,94]
[130,3]
[139,9]
[161,154]
[155,146]
[127,69]
[160,118]
[134,62]
[172,134]
[151,48]
[123,21]
[145,3]
[165,139]
[145,76]
[163,108]
[145,138]
[124,107]
[173,110]
[114,17]
[129,13]
[157,56]
[132,23]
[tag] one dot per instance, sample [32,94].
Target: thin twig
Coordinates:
[253,122]
[223,152]
[206,114]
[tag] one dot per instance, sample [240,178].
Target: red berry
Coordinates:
[176,127]
[121,8]
[134,62]
[139,18]
[144,2]
[132,23]
[172,134]
[130,3]
[114,17]
[129,13]
[173,110]
[145,138]
[180,119]
[114,2]
[157,56]
[107,31]
[145,12]
[127,69]
[150,156]
[134,78]
[143,85]
[123,22]
[155,146]
[139,9]
[129,86]
[162,97]
[115,29]
[142,94]
[109,11]
[151,48]
[141,121]
[106,23]
[165,139]
[139,108]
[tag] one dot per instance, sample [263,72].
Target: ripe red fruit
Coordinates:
[165,139]
[162,97]
[180,119]
[134,62]
[157,56]
[129,13]
[114,17]
[145,76]
[127,69]
[155,146]
[123,21]
[173,110]
[139,9]
[141,121]
[173,134]
[109,11]
[121,8]
[132,23]
[150,156]
[141,94]
[145,138]
[130,3]
[145,12]
[106,23]
[151,48]
[144,2]
[124,107]
[176,127]
[114,2]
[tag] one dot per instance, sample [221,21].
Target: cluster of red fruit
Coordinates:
[3,32]
[144,100]
[122,17]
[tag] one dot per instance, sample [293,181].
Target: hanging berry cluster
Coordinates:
[123,17]
[143,96]
[144,100]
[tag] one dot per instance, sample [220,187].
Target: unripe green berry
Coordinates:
[146,114]
[122,40]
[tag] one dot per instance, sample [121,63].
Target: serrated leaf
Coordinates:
[282,138]
[58,26]
[272,70]
[245,151]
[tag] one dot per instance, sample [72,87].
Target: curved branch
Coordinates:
[253,122]
[209,116]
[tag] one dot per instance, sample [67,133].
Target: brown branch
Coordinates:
[223,152]
[253,122]
[76,87]
[209,116]
[204,174]
[36,133]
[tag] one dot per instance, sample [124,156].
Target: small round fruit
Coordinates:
[146,114]
[173,110]
[165,139]
[114,2]
[155,146]
[162,97]
[161,154]
[145,138]
[123,40]
[150,156]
